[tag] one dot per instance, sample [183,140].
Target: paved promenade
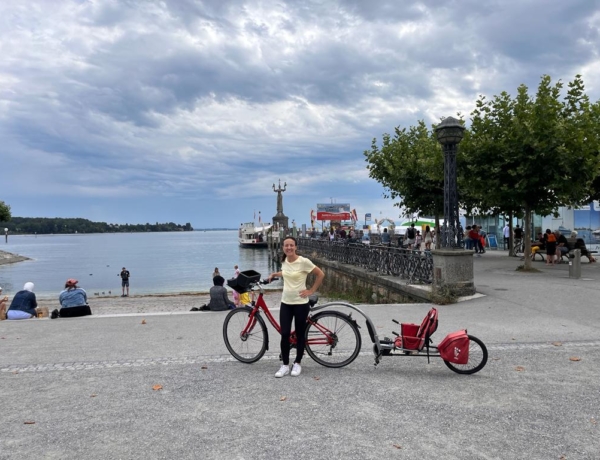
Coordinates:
[83,388]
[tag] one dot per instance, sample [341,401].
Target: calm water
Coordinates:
[159,262]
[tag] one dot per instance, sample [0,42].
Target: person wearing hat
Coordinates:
[125,281]
[23,304]
[73,301]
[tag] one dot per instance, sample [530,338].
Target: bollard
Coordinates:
[575,264]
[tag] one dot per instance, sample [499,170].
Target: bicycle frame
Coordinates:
[260,304]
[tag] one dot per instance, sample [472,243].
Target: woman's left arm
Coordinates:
[319,276]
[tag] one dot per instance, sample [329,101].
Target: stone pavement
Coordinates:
[83,388]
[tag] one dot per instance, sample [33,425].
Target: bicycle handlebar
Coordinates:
[266,281]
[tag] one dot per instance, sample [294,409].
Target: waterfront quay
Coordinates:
[162,385]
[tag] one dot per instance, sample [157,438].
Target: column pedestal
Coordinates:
[453,270]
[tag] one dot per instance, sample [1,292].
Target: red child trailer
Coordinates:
[461,352]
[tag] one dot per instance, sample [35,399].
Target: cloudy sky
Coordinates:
[188,111]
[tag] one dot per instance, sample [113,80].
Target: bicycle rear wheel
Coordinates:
[246,347]
[478,356]
[332,339]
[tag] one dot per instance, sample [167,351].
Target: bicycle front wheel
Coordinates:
[332,339]
[245,337]
[478,356]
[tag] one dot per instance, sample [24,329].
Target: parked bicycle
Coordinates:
[332,337]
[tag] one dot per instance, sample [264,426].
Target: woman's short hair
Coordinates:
[218,280]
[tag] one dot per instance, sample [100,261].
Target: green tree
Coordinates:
[533,154]
[410,166]
[5,215]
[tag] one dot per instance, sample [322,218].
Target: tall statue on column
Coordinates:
[279,192]
[280,219]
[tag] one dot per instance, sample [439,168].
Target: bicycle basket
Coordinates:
[243,281]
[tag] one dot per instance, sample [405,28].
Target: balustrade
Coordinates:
[415,266]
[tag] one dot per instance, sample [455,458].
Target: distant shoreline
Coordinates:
[10,258]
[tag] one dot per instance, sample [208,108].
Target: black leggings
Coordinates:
[71,312]
[299,313]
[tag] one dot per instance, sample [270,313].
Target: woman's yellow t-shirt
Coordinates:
[294,280]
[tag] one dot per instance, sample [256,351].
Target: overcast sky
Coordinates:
[188,111]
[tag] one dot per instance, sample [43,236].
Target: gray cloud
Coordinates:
[187,99]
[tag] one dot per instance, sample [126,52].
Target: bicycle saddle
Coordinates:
[313,299]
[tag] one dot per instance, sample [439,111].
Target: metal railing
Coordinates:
[414,266]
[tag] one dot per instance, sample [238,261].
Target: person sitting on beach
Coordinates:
[3,305]
[219,300]
[23,304]
[73,301]
[216,273]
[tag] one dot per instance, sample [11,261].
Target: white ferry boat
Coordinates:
[253,236]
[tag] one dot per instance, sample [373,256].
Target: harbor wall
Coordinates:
[350,282]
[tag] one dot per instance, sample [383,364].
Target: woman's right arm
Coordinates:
[274,275]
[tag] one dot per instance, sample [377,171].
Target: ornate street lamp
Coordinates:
[449,134]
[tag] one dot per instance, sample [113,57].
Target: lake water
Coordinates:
[169,262]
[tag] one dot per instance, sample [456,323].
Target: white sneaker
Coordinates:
[283,370]
[296,370]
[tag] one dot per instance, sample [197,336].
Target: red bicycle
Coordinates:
[332,337]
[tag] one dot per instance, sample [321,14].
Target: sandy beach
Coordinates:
[155,303]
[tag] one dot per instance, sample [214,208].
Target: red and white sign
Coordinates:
[333,216]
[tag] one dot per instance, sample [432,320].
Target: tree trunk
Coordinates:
[510,234]
[527,237]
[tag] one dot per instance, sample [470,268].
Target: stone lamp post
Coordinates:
[452,265]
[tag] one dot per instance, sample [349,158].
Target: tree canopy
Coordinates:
[520,155]
[43,225]
[410,166]
[533,154]
[4,211]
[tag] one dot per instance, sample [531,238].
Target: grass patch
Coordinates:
[443,295]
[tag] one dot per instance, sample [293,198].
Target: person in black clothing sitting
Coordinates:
[219,300]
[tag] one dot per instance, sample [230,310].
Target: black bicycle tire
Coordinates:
[350,323]
[259,321]
[477,368]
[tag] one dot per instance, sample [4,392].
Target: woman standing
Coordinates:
[550,241]
[294,302]
[236,295]
[428,238]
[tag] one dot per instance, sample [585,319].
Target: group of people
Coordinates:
[339,233]
[475,239]
[219,297]
[556,245]
[73,303]
[413,238]
[73,300]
